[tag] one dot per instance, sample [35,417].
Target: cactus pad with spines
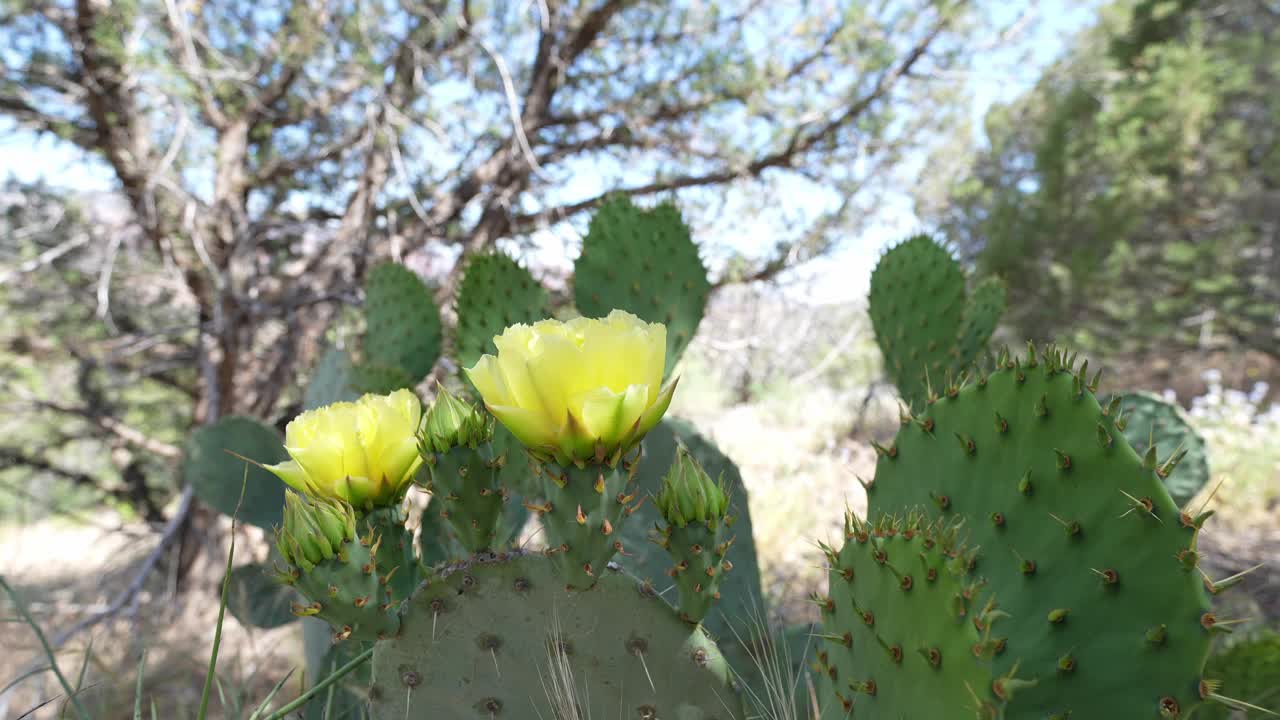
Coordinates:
[740,592]
[917,302]
[582,510]
[402,322]
[981,316]
[909,631]
[347,592]
[495,293]
[644,262]
[697,534]
[466,493]
[1077,538]
[1149,421]
[500,638]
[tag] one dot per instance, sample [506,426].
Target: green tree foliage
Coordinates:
[263,154]
[1134,192]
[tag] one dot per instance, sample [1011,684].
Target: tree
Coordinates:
[1136,189]
[267,152]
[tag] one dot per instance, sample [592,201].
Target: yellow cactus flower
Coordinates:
[363,452]
[578,390]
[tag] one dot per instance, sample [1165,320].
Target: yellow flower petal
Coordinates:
[292,474]
[566,387]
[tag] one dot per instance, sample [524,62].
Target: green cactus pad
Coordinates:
[395,551]
[908,631]
[495,639]
[466,493]
[644,262]
[917,302]
[740,591]
[582,511]
[402,322]
[217,476]
[981,316]
[1149,421]
[495,292]
[347,591]
[378,379]
[1078,539]
[331,381]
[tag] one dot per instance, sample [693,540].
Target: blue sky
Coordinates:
[996,76]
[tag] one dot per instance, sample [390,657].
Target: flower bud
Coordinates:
[451,422]
[314,529]
[689,495]
[364,453]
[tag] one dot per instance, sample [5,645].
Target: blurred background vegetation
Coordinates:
[195,191]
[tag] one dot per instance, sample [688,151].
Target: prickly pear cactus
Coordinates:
[910,629]
[402,325]
[644,262]
[495,292]
[1151,422]
[925,326]
[1094,565]
[499,637]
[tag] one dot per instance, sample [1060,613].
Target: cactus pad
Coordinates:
[402,322]
[582,511]
[909,631]
[217,476]
[644,262]
[502,639]
[331,381]
[347,592]
[466,494]
[1150,421]
[495,292]
[981,316]
[917,302]
[740,593]
[1078,540]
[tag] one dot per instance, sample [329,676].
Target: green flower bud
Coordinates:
[689,495]
[451,423]
[314,529]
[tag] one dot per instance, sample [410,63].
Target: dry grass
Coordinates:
[66,573]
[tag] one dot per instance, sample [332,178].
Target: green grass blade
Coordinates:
[30,673]
[305,697]
[84,667]
[262,706]
[137,689]
[48,651]
[222,607]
